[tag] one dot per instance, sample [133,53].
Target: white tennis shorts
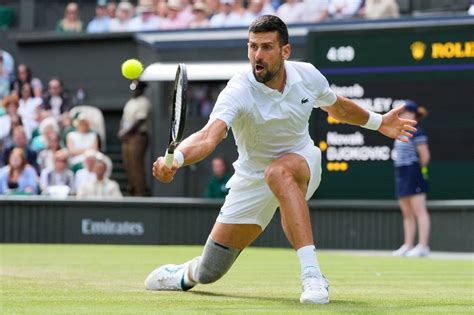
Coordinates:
[252,201]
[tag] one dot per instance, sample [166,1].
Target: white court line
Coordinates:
[383,253]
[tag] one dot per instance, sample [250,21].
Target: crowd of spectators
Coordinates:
[44,148]
[124,16]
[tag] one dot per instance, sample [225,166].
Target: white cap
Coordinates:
[174,4]
[126,6]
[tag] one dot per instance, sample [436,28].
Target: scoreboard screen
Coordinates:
[378,69]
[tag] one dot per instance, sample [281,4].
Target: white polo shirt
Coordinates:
[266,123]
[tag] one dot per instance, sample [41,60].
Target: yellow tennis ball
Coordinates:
[132,69]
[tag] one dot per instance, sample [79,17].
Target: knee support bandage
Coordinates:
[215,261]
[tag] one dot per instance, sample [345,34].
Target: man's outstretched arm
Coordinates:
[194,148]
[391,125]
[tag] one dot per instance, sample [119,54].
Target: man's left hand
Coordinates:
[395,127]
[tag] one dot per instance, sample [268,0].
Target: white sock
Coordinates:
[308,259]
[191,269]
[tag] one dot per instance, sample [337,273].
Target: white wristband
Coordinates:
[374,122]
[179,157]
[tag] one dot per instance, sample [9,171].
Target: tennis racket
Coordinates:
[178,113]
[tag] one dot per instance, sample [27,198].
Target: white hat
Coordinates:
[174,4]
[107,161]
[145,6]
[81,117]
[200,6]
[125,6]
[48,121]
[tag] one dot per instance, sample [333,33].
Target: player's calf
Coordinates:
[214,263]
[216,260]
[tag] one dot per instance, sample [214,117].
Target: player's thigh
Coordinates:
[292,165]
[235,235]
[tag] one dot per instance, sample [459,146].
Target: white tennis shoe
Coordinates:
[402,251]
[418,251]
[315,288]
[168,278]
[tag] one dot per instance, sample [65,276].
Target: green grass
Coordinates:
[105,279]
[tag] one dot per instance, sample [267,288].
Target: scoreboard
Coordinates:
[378,69]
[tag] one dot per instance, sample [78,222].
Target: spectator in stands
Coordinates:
[216,187]
[316,11]
[102,186]
[292,11]
[470,11]
[8,64]
[58,175]
[213,7]
[80,140]
[226,16]
[340,9]
[8,122]
[5,125]
[380,9]
[123,17]
[29,109]
[186,12]
[134,137]
[87,173]
[255,9]
[47,126]
[20,142]
[111,9]
[56,102]
[239,8]
[5,128]
[269,6]
[161,9]
[23,75]
[46,156]
[18,177]
[411,161]
[71,23]
[174,20]
[4,79]
[200,16]
[100,23]
[146,20]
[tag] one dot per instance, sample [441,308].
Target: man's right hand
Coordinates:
[163,173]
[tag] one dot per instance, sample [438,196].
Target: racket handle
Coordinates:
[169,158]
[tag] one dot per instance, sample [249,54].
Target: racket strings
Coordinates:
[176,118]
[179,106]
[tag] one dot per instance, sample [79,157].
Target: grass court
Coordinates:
[108,279]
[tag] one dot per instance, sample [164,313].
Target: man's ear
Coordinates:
[286,51]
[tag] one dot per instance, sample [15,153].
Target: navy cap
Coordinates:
[411,106]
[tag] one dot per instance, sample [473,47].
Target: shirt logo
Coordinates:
[304,100]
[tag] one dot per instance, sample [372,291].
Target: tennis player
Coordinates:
[268,108]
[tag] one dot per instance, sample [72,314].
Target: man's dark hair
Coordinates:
[270,23]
